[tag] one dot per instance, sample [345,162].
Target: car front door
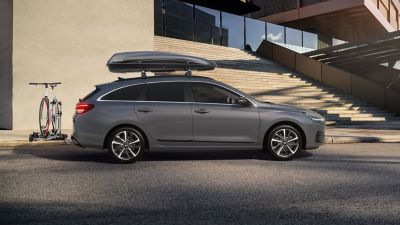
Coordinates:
[218,119]
[164,113]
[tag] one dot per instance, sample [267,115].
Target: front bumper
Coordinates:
[315,135]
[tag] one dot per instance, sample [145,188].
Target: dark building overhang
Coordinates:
[238,7]
[377,58]
[349,20]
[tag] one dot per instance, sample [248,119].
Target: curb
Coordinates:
[7,144]
[359,139]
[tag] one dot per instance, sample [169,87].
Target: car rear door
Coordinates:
[164,113]
[219,121]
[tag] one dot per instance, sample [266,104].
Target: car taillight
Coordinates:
[83,107]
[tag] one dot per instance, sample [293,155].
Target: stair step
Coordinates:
[269,81]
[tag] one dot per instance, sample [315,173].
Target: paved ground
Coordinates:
[381,133]
[336,184]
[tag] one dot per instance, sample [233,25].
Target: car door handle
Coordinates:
[201,111]
[145,110]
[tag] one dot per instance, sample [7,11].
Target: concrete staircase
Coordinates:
[270,82]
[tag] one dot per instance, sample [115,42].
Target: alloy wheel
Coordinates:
[285,142]
[126,145]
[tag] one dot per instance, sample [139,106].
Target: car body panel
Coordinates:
[169,123]
[225,123]
[175,125]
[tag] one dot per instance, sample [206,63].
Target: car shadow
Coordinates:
[73,153]
[213,155]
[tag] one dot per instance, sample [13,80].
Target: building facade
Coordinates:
[348,20]
[71,40]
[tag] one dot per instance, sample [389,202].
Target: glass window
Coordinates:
[90,94]
[130,93]
[294,39]
[232,30]
[310,41]
[179,20]
[255,34]
[166,92]
[208,93]
[324,42]
[158,30]
[207,26]
[275,33]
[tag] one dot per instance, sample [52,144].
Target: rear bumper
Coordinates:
[76,141]
[86,132]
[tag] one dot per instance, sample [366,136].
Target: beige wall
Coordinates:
[5,64]
[70,41]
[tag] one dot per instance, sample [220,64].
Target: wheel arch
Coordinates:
[126,125]
[290,123]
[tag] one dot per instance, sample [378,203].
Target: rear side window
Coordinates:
[130,93]
[166,92]
[90,94]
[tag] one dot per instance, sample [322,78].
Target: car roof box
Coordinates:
[154,61]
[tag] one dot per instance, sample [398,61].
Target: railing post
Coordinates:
[244,32]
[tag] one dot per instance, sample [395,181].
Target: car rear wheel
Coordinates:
[284,142]
[126,145]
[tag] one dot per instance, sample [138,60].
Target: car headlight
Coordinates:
[315,117]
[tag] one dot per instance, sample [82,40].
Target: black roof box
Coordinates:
[154,61]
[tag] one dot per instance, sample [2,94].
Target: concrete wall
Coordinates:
[308,66]
[367,90]
[344,81]
[337,78]
[70,41]
[5,64]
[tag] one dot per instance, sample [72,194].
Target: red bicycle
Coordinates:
[49,111]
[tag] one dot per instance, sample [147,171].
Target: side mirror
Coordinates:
[243,102]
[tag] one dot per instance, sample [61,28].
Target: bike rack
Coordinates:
[37,136]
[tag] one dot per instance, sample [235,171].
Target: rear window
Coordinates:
[130,93]
[95,91]
[166,92]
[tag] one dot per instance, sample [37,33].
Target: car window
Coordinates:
[209,93]
[130,93]
[95,91]
[165,91]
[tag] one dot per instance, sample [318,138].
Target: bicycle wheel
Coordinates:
[56,120]
[44,117]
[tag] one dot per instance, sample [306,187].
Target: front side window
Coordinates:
[165,92]
[130,93]
[208,93]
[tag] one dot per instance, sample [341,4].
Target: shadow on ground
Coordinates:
[72,153]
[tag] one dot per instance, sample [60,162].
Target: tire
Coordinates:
[44,117]
[284,142]
[56,121]
[126,145]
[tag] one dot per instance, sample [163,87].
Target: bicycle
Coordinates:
[49,112]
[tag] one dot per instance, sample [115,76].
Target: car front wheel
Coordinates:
[126,145]
[284,142]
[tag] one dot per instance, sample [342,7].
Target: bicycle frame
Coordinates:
[54,110]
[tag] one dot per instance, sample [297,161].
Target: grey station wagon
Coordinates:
[129,116]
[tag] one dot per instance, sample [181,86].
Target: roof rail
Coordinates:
[153,61]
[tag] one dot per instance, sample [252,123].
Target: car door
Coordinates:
[164,113]
[218,119]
